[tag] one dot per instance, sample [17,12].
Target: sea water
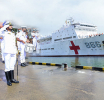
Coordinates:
[71,61]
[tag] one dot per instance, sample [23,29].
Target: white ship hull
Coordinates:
[80,47]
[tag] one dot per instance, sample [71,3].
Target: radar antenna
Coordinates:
[70,20]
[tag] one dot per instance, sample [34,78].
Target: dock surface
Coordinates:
[41,82]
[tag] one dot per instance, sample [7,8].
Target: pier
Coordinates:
[41,82]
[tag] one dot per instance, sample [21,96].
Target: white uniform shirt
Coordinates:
[22,36]
[9,42]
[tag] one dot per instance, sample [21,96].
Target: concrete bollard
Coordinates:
[65,65]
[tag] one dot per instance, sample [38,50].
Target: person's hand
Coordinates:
[38,41]
[23,42]
[1,24]
[6,26]
[1,37]
[27,41]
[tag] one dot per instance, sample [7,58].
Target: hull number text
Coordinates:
[93,44]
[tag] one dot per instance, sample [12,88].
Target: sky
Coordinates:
[50,15]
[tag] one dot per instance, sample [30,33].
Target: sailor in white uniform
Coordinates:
[22,38]
[18,43]
[2,48]
[34,36]
[37,44]
[9,52]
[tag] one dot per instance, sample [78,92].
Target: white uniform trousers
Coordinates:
[34,42]
[2,49]
[38,48]
[10,60]
[22,54]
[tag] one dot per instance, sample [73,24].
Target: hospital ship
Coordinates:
[72,39]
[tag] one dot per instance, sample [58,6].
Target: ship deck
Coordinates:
[41,82]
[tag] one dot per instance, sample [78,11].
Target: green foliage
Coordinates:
[15,30]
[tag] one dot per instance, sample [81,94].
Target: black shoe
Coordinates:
[12,77]
[23,65]
[8,79]
[3,61]
[14,81]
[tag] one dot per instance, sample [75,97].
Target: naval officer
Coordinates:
[34,35]
[9,52]
[2,48]
[18,43]
[2,43]
[22,38]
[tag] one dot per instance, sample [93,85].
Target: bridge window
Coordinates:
[52,48]
[67,38]
[45,49]
[74,36]
[57,39]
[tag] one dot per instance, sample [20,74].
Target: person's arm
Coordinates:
[3,28]
[27,41]
[1,37]
[1,31]
[20,40]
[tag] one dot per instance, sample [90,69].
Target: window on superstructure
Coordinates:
[42,40]
[57,39]
[67,38]
[52,48]
[45,49]
[74,36]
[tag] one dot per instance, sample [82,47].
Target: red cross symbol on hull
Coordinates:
[73,47]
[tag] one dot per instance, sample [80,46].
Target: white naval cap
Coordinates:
[7,23]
